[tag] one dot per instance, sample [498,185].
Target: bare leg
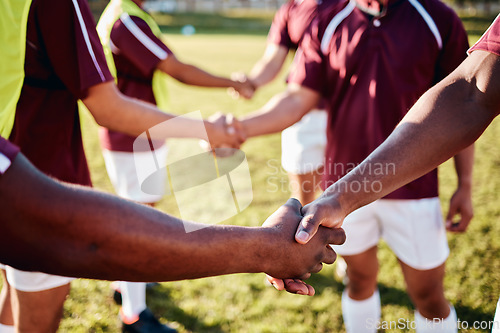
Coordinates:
[362,270]
[305,186]
[425,288]
[6,317]
[361,300]
[39,311]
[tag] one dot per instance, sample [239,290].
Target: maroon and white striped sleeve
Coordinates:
[72,44]
[8,153]
[132,38]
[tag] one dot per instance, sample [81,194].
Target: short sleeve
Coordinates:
[72,44]
[135,40]
[490,41]
[308,67]
[278,33]
[8,153]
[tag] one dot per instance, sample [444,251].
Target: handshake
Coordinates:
[290,262]
[224,131]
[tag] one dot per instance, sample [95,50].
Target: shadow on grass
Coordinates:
[160,302]
[394,296]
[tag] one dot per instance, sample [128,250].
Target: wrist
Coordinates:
[254,85]
[236,85]
[245,127]
[267,251]
[340,200]
[465,182]
[260,243]
[209,127]
[467,186]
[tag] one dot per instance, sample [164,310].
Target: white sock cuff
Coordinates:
[446,325]
[361,316]
[7,329]
[133,298]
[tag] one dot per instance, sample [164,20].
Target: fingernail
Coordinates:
[302,236]
[300,292]
[274,285]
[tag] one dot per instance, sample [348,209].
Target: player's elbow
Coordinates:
[104,102]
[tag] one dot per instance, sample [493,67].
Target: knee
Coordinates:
[361,284]
[430,300]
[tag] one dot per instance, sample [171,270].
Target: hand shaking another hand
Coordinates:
[224,131]
[295,262]
[243,86]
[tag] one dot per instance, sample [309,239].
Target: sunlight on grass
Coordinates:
[244,303]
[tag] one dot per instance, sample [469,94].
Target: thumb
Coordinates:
[308,226]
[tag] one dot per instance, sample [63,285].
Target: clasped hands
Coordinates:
[243,86]
[225,131]
[308,232]
[301,235]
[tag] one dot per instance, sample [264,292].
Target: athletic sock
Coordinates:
[361,316]
[133,299]
[446,325]
[7,329]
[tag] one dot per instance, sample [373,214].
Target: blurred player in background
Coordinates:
[64,62]
[447,118]
[302,144]
[141,62]
[371,60]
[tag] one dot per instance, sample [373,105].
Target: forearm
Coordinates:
[445,120]
[59,229]
[282,111]
[195,76]
[464,164]
[115,111]
[268,67]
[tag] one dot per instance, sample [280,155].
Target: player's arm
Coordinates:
[446,119]
[282,111]
[113,110]
[461,201]
[75,231]
[193,75]
[268,67]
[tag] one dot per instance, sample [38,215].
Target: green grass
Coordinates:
[243,303]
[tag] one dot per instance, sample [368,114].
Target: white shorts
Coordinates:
[303,144]
[121,167]
[413,229]
[34,281]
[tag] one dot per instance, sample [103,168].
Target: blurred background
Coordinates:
[226,36]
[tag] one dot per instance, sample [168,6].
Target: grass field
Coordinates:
[243,303]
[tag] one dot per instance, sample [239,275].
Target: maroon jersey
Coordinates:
[371,71]
[64,58]
[8,152]
[291,21]
[136,52]
[490,41]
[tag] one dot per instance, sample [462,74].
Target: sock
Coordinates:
[133,298]
[361,316]
[7,329]
[446,325]
[496,320]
